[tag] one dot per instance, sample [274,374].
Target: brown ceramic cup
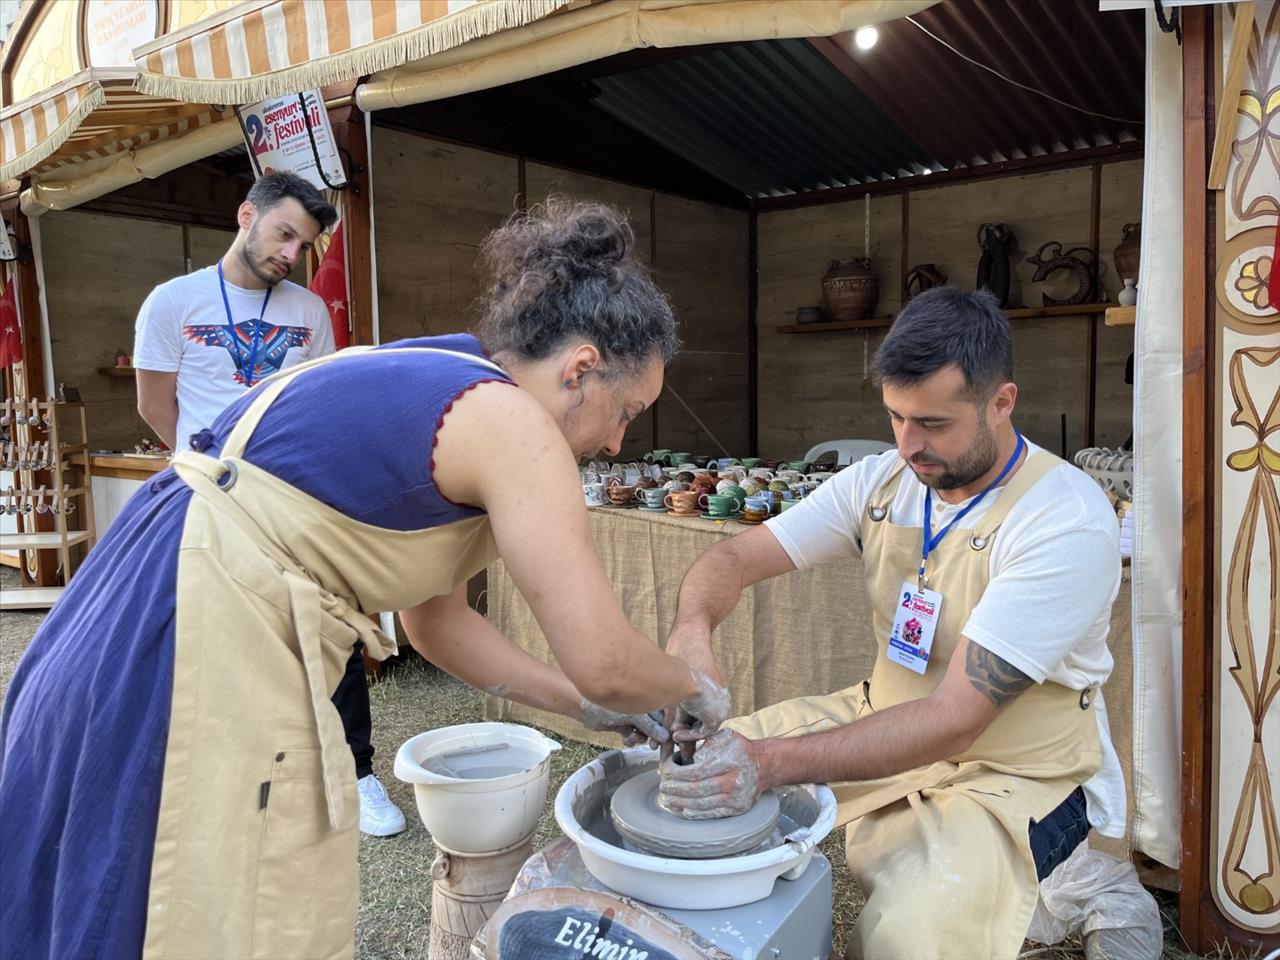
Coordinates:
[621,494]
[682,501]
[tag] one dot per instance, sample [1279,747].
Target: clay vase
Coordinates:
[850,289]
[1126,253]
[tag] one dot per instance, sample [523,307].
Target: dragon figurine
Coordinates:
[1081,269]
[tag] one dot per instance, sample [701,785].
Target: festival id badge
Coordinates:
[914,625]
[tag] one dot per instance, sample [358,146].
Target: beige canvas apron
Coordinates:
[941,852]
[255,850]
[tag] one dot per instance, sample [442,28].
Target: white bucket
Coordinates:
[689,884]
[480,787]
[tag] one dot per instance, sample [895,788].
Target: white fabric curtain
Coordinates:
[1157,432]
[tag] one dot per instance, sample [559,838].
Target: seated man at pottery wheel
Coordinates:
[977,755]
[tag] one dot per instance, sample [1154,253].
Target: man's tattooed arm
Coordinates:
[995,678]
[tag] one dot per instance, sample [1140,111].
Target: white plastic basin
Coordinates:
[689,884]
[480,787]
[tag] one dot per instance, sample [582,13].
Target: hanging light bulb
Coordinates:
[866,37]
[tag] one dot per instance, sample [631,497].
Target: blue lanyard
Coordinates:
[930,541]
[256,339]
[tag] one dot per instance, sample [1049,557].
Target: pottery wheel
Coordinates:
[638,818]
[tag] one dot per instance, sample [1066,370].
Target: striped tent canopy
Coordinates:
[96,113]
[263,48]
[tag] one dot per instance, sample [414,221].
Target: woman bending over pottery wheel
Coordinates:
[174,780]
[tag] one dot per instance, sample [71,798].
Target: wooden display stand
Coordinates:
[43,494]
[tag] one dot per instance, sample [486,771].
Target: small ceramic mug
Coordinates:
[737,493]
[718,505]
[593,494]
[652,497]
[621,494]
[683,501]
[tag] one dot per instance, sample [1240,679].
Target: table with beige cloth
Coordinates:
[797,634]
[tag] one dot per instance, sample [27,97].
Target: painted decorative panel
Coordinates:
[1246,756]
[51,53]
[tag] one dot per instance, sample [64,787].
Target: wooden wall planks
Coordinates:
[97,270]
[434,202]
[813,387]
[702,267]
[817,387]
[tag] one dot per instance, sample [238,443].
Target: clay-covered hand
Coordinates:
[709,708]
[722,781]
[635,728]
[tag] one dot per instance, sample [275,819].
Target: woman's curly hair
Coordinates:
[564,270]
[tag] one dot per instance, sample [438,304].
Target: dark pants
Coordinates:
[352,700]
[1057,835]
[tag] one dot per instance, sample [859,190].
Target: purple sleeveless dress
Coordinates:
[86,718]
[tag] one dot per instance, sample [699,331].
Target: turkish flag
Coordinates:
[330,285]
[10,328]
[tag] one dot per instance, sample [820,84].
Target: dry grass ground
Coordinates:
[395,872]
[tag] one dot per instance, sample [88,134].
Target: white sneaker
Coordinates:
[379,817]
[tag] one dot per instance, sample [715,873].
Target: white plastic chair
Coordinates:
[847,451]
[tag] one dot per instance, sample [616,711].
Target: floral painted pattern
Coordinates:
[1252,282]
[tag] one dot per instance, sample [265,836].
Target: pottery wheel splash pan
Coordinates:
[644,824]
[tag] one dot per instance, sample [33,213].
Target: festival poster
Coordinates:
[279,135]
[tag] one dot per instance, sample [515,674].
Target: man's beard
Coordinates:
[975,464]
[257,264]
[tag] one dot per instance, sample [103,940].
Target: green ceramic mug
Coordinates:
[738,494]
[718,504]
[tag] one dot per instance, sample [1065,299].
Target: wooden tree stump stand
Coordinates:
[467,888]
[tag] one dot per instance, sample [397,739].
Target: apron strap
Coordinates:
[212,481]
[304,602]
[1028,475]
[880,501]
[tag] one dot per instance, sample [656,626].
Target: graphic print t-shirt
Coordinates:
[182,327]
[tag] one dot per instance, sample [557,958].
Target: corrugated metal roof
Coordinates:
[778,117]
[769,118]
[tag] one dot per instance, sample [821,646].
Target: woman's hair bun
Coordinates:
[566,269]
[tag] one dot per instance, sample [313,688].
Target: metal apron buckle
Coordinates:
[228,479]
[1086,699]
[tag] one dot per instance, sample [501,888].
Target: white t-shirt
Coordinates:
[183,327]
[1056,563]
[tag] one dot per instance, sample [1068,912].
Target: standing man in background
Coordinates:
[205,338]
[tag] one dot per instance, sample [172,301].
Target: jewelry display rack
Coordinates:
[46,483]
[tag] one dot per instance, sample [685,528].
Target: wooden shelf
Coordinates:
[833,326]
[1020,313]
[29,598]
[40,541]
[118,371]
[1121,316]
[1076,310]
